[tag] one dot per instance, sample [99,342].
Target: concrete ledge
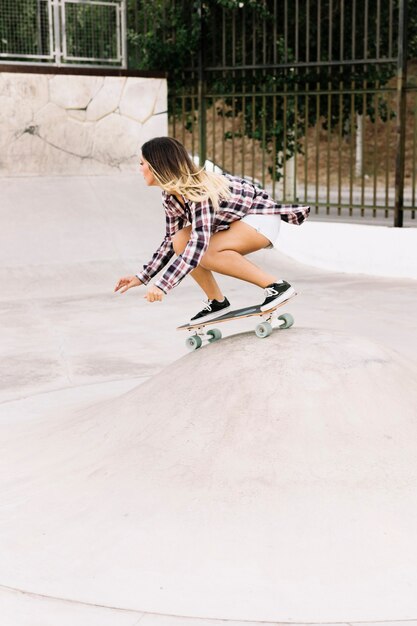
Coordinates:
[33,68]
[352,248]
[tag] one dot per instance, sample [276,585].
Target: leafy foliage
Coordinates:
[271,57]
[282,70]
[23,28]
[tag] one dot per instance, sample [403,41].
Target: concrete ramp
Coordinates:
[68,236]
[262,480]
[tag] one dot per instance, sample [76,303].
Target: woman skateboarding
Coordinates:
[212,222]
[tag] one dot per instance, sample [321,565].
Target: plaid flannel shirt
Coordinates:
[245,198]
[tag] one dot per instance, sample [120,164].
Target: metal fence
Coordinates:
[314,99]
[58,32]
[308,97]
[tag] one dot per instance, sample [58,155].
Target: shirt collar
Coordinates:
[171,201]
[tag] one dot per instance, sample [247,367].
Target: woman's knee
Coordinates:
[208,259]
[180,239]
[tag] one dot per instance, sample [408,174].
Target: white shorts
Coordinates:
[267,225]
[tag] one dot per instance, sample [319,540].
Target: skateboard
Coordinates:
[263,329]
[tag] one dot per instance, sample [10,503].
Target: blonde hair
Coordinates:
[176,173]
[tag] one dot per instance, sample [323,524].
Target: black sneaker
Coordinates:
[276,294]
[213,309]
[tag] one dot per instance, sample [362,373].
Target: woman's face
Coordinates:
[146,172]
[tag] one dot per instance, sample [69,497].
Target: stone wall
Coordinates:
[77,124]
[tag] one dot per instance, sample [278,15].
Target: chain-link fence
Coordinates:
[72,32]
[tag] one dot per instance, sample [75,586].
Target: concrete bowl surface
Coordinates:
[253,480]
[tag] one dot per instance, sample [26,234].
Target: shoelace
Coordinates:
[270,291]
[208,305]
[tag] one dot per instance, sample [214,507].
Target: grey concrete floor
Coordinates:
[67,341]
[58,342]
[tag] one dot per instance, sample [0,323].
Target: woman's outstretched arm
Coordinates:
[189,259]
[160,258]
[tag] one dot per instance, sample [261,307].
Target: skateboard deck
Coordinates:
[263,329]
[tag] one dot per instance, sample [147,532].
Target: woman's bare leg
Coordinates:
[225,255]
[203,277]
[227,250]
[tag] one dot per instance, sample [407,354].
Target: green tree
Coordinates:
[24,28]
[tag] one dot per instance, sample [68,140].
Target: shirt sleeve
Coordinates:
[164,252]
[293,213]
[202,219]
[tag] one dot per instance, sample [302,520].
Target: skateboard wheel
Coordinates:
[214,334]
[288,320]
[263,330]
[193,343]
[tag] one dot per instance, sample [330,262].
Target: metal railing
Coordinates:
[315,99]
[311,99]
[64,32]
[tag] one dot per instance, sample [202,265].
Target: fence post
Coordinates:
[401,113]
[56,5]
[39,26]
[201,93]
[123,33]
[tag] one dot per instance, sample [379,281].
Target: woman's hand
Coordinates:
[154,294]
[127,282]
